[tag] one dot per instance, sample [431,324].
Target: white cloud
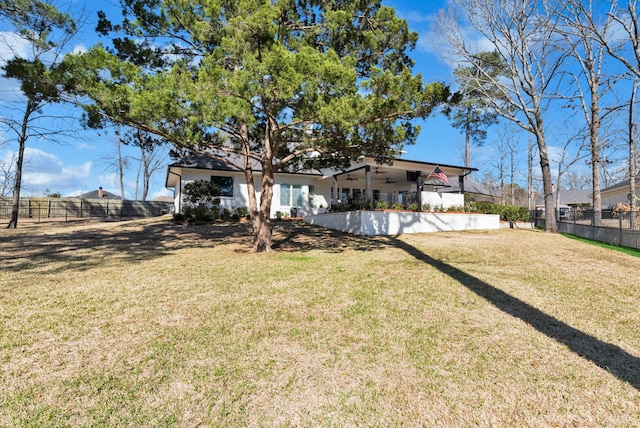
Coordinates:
[85,146]
[13,45]
[161,192]
[43,170]
[79,49]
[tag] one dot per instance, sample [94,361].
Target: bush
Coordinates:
[506,212]
[413,206]
[382,205]
[195,214]
[201,193]
[513,213]
[201,199]
[242,212]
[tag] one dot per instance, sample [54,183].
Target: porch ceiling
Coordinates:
[389,175]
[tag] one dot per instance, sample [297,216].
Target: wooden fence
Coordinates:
[72,208]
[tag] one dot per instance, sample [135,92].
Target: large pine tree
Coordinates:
[267,81]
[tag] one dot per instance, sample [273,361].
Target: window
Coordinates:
[225,184]
[291,195]
[345,194]
[312,196]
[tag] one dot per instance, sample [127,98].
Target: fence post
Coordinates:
[620,229]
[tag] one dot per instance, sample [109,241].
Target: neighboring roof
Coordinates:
[469,187]
[621,185]
[94,194]
[571,197]
[162,199]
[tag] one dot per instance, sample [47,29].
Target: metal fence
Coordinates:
[616,228]
[68,209]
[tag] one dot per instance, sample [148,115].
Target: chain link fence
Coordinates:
[617,228]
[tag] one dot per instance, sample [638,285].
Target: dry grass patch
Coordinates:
[148,323]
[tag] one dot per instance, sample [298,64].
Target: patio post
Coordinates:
[419,189]
[335,190]
[368,194]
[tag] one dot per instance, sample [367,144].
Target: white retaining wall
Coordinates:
[371,223]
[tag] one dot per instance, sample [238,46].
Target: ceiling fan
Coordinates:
[377,171]
[349,178]
[389,181]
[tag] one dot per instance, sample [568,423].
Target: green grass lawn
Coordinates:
[148,323]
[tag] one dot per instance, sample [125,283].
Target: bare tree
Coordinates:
[530,191]
[117,161]
[633,170]
[522,35]
[38,76]
[7,174]
[152,157]
[565,160]
[577,181]
[500,166]
[591,83]
[622,41]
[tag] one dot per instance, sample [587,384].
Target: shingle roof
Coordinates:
[620,184]
[94,194]
[571,196]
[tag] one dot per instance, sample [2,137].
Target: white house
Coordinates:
[618,193]
[314,191]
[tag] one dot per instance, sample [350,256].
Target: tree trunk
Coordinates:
[550,224]
[262,234]
[260,213]
[633,170]
[595,157]
[22,141]
[120,165]
[146,175]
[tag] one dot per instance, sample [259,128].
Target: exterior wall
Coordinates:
[372,223]
[318,204]
[611,198]
[322,189]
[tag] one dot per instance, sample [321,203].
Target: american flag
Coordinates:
[437,173]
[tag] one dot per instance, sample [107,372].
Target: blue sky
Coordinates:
[76,162]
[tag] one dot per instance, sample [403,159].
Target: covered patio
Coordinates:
[404,182]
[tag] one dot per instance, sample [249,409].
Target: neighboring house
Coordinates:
[314,191]
[568,199]
[619,192]
[98,194]
[475,190]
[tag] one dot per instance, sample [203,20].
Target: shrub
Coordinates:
[201,193]
[397,206]
[513,213]
[195,214]
[382,205]
[242,211]
[201,199]
[506,212]
[413,206]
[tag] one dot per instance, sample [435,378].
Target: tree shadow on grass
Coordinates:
[607,356]
[65,248]
[300,236]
